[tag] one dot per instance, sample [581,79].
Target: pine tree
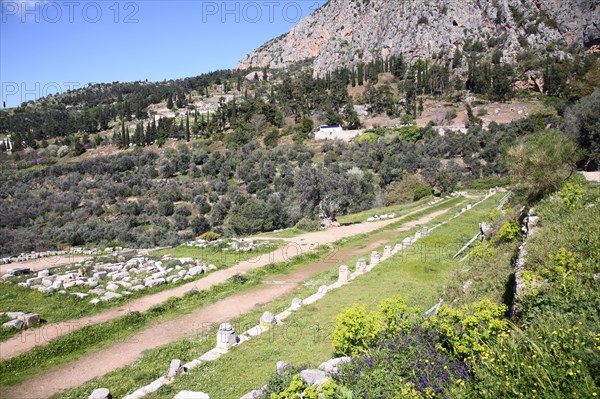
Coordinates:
[265,74]
[170,102]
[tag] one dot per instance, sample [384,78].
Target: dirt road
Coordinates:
[121,354]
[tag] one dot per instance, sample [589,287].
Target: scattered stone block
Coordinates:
[112,287]
[17,324]
[92,283]
[256,394]
[313,376]
[175,368]
[155,283]
[119,276]
[533,222]
[212,267]
[407,242]
[330,367]
[101,393]
[282,367]
[81,295]
[97,291]
[29,319]
[14,315]
[196,270]
[34,281]
[95,301]
[43,273]
[109,296]
[100,275]
[323,289]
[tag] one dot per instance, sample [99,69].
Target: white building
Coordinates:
[335,132]
[329,129]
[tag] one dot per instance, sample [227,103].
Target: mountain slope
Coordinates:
[345,32]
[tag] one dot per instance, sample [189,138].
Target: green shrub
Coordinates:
[209,236]
[356,330]
[466,331]
[422,192]
[396,315]
[483,250]
[572,195]
[412,187]
[509,231]
[367,137]
[561,268]
[299,389]
[306,224]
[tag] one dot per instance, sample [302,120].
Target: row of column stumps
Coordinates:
[226,336]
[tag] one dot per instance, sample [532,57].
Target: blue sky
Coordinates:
[48,46]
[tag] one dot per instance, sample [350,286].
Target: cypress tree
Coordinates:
[187,128]
[360,74]
[123,134]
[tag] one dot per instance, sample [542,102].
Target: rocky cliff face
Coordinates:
[345,32]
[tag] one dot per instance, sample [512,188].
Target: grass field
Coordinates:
[419,274]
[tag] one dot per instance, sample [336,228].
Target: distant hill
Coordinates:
[347,32]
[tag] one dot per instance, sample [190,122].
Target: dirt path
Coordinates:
[120,354]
